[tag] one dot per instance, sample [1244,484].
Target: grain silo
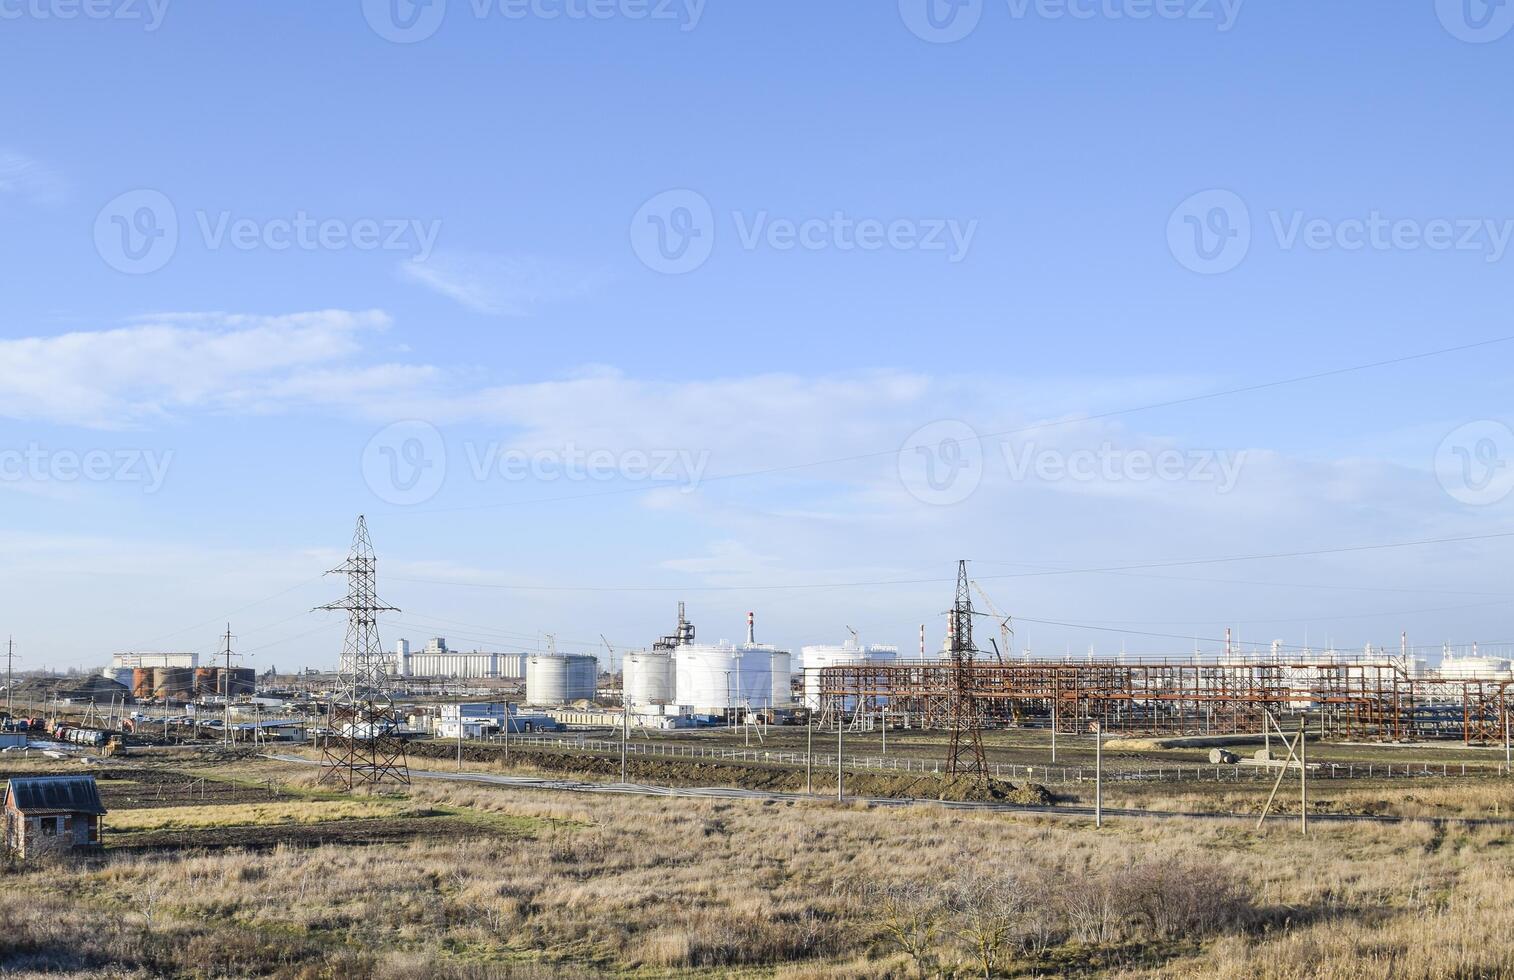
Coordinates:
[849,654]
[554,679]
[647,677]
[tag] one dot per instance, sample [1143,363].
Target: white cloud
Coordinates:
[156,366]
[495,284]
[28,179]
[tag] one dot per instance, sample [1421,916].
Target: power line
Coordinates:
[225,616]
[979,439]
[1042,573]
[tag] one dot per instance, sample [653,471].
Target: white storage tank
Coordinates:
[121,675]
[851,653]
[783,678]
[714,678]
[1476,668]
[648,678]
[554,679]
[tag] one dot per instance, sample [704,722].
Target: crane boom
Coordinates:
[1006,631]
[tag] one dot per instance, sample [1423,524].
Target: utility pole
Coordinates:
[840,746]
[225,686]
[1098,774]
[1303,782]
[10,656]
[625,728]
[1054,728]
[459,737]
[809,755]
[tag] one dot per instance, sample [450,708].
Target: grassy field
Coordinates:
[475,881]
[250,814]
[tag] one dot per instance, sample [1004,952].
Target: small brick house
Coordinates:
[52,814]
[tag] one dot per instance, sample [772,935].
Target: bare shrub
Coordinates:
[987,910]
[912,915]
[1170,899]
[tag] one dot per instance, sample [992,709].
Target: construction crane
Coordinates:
[1006,631]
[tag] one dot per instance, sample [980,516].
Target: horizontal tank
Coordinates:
[715,678]
[554,679]
[647,677]
[849,654]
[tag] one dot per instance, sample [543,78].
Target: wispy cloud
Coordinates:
[497,284]
[155,366]
[28,179]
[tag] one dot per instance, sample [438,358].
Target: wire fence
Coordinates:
[1055,775]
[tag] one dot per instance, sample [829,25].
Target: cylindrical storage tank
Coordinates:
[173,682]
[121,675]
[783,678]
[205,680]
[239,681]
[553,679]
[1475,668]
[648,678]
[848,654]
[715,678]
[141,682]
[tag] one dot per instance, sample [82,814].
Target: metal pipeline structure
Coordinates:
[1368,701]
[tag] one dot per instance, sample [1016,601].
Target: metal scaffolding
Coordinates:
[1373,701]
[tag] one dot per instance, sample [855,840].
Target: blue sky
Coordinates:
[1058,162]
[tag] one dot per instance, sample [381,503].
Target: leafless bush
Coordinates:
[987,911]
[912,915]
[1169,899]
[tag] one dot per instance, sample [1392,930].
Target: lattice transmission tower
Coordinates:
[363,746]
[963,714]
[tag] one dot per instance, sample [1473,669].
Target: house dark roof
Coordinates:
[75,794]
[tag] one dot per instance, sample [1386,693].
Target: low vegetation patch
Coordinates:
[250,814]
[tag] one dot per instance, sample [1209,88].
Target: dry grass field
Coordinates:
[474,881]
